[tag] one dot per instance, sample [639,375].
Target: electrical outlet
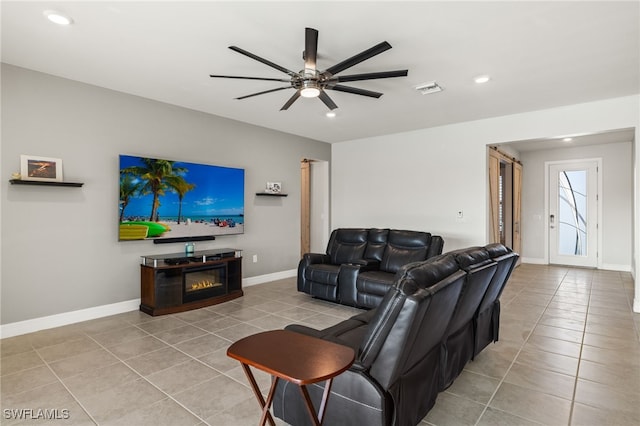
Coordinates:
[255,258]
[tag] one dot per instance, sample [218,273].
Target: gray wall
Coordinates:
[59,245]
[616,199]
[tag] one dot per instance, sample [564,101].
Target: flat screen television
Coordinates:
[174,201]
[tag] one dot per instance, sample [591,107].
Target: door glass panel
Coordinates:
[572,212]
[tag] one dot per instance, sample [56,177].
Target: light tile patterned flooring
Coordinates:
[569,354]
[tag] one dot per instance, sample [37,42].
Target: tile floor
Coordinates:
[569,354]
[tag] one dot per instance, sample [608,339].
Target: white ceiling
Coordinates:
[611,136]
[539,55]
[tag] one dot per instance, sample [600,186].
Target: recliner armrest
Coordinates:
[347,289]
[313,258]
[298,328]
[347,283]
[307,260]
[357,366]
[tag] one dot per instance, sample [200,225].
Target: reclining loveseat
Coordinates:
[360,264]
[438,315]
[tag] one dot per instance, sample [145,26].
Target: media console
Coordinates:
[178,282]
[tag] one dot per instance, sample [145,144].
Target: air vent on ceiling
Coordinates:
[431,87]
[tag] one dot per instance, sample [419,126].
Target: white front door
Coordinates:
[573,213]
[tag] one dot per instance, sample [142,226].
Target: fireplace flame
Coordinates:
[200,285]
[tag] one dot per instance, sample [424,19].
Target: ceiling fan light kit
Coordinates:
[311,83]
[310,89]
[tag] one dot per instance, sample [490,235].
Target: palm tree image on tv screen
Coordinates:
[173,200]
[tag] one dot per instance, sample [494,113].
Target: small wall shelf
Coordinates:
[45,183]
[271,194]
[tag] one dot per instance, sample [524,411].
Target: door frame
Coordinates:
[511,199]
[600,197]
[315,225]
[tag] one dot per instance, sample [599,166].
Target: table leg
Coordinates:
[266,415]
[325,398]
[317,420]
[310,409]
[267,404]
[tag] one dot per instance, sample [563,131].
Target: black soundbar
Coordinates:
[184,239]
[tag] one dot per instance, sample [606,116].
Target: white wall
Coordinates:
[616,199]
[420,179]
[413,181]
[59,245]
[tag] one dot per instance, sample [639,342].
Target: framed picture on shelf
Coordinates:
[40,168]
[274,187]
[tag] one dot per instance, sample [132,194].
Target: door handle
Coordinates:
[552,219]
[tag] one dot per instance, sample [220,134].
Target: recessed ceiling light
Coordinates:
[482,79]
[331,114]
[567,139]
[58,18]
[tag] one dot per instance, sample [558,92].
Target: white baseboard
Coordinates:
[66,318]
[615,267]
[605,266]
[636,305]
[260,279]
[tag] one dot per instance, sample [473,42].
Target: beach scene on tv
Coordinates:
[171,199]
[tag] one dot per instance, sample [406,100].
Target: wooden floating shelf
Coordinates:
[270,194]
[45,183]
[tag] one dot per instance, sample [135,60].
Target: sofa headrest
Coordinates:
[436,246]
[496,250]
[407,239]
[404,247]
[472,257]
[424,274]
[347,245]
[378,236]
[377,241]
[351,235]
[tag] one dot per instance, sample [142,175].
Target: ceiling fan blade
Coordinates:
[327,100]
[370,76]
[362,56]
[249,78]
[291,100]
[310,48]
[263,92]
[355,91]
[264,61]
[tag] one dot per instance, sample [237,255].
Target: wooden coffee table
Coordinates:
[294,357]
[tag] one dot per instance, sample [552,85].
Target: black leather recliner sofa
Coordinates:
[360,264]
[394,379]
[459,342]
[487,319]
[437,316]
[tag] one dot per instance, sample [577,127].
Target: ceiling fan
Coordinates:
[310,82]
